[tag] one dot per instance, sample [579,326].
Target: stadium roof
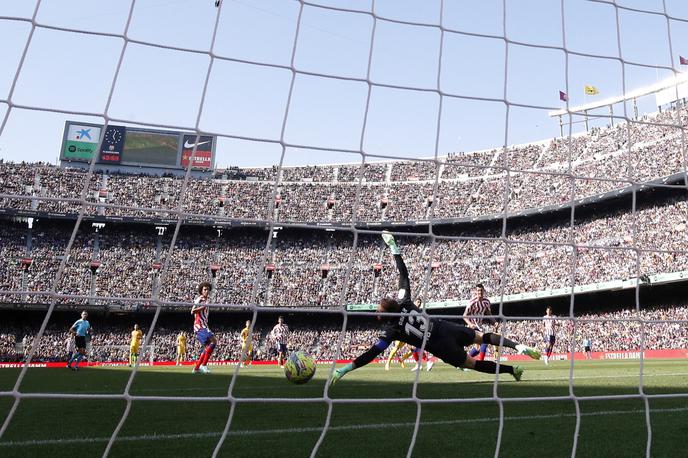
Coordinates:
[677,81]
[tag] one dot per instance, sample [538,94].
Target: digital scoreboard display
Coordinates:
[136,147]
[153,148]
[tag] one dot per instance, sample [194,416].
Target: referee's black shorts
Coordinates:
[80,341]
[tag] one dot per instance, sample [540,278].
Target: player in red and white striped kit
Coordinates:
[479,306]
[550,322]
[280,334]
[203,334]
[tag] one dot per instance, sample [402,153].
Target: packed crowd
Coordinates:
[459,185]
[310,267]
[111,344]
[654,329]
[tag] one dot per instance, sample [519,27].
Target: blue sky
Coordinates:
[479,72]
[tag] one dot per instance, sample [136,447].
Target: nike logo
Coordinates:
[191,145]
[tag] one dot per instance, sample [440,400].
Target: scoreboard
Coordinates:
[130,146]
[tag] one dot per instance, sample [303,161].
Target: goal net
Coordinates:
[536,148]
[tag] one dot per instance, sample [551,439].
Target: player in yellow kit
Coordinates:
[246,346]
[135,345]
[398,345]
[181,348]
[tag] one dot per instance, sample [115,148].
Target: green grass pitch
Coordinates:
[612,427]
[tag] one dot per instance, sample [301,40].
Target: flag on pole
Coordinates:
[591,90]
[563,96]
[682,60]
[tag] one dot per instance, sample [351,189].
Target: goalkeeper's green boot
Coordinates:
[518,373]
[390,242]
[524,350]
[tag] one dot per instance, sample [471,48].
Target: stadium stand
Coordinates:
[611,331]
[469,184]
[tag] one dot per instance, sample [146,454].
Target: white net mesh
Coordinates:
[380,88]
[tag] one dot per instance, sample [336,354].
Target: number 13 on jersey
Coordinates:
[416,324]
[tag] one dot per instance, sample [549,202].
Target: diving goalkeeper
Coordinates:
[444,339]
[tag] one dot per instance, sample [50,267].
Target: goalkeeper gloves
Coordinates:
[341,372]
[390,242]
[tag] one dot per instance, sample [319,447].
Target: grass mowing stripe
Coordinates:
[262,387]
[153,437]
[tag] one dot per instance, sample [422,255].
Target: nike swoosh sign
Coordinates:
[191,145]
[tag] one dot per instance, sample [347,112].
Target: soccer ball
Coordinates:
[299,368]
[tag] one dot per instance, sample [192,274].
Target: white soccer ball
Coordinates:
[299,368]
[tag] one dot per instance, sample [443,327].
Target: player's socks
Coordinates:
[419,362]
[490,367]
[199,361]
[209,350]
[78,360]
[206,354]
[494,339]
[481,352]
[389,360]
[405,357]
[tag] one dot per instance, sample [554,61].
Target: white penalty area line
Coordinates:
[318,429]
